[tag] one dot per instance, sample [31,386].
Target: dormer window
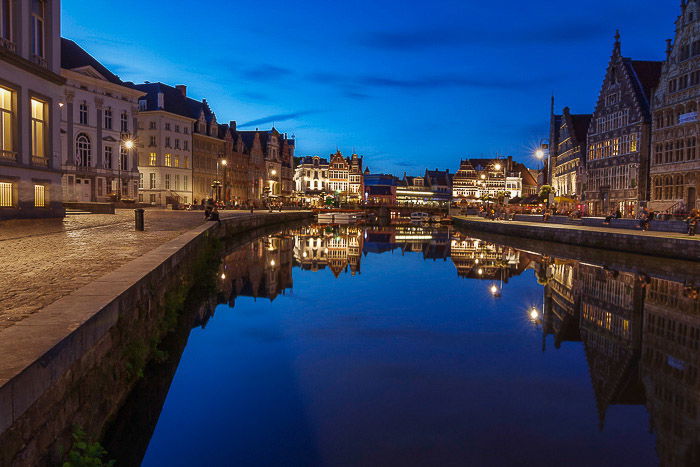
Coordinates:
[38,27]
[143,105]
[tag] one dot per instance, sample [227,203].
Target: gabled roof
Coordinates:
[73,56]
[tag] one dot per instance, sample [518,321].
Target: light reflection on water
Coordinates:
[423,346]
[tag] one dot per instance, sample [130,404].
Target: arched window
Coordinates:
[83,152]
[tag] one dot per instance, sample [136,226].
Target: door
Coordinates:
[83,190]
[692,198]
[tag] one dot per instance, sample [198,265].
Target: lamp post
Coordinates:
[128,145]
[224,163]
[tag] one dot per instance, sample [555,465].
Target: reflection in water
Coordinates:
[639,330]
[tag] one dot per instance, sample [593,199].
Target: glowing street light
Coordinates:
[539,154]
[534,314]
[497,166]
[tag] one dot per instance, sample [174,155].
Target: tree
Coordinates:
[545,191]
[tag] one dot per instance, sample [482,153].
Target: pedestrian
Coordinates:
[692,222]
[214,215]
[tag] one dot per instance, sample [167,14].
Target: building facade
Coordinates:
[164,146]
[675,165]
[486,179]
[31,93]
[356,185]
[209,164]
[311,179]
[568,153]
[98,131]
[619,137]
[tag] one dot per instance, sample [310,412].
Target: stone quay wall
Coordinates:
[74,363]
[646,244]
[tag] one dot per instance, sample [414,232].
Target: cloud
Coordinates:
[266,73]
[277,118]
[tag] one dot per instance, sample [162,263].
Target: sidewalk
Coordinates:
[47,259]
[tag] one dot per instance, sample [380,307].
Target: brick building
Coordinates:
[568,152]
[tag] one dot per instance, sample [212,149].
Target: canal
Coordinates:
[412,345]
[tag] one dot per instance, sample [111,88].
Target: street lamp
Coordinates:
[224,163]
[127,144]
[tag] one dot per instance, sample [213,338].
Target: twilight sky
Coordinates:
[407,84]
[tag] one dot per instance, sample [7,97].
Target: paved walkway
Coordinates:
[44,260]
[633,232]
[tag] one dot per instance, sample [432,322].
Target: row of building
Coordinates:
[73,131]
[639,146]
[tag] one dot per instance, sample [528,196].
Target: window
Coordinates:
[167,141]
[186,145]
[39,196]
[108,118]
[152,182]
[83,153]
[153,199]
[6,195]
[167,127]
[184,184]
[6,124]
[38,32]
[124,158]
[177,144]
[177,128]
[177,182]
[83,113]
[167,181]
[186,162]
[143,105]
[168,160]
[141,185]
[6,20]
[152,125]
[152,141]
[152,159]
[186,130]
[125,122]
[108,157]
[176,162]
[39,122]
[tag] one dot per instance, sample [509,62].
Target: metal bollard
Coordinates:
[139,221]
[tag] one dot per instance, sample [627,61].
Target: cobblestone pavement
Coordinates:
[44,260]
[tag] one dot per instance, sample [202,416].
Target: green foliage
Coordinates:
[545,191]
[86,454]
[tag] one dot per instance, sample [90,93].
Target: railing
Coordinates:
[8,44]
[40,161]
[41,61]
[8,156]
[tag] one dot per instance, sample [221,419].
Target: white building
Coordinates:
[165,145]
[311,178]
[31,89]
[97,131]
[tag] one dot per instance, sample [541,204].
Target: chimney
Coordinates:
[182,88]
[233,125]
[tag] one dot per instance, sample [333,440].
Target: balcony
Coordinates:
[40,161]
[7,44]
[8,156]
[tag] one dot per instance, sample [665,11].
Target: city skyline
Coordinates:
[382,84]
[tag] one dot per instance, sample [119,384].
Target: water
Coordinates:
[421,346]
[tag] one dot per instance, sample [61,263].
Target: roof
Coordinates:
[379,190]
[310,160]
[648,73]
[73,56]
[174,101]
[525,173]
[580,123]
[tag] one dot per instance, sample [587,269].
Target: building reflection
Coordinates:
[641,337]
[477,259]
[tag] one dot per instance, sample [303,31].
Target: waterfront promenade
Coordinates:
[653,243]
[47,259]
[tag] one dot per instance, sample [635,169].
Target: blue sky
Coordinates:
[408,84]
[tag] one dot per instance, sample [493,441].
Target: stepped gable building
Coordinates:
[166,120]
[568,152]
[440,181]
[675,165]
[272,163]
[619,137]
[208,153]
[239,181]
[98,130]
[477,179]
[31,92]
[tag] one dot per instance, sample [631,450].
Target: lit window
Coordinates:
[6,124]
[152,159]
[6,195]
[39,196]
[168,160]
[38,128]
[38,12]
[141,184]
[176,162]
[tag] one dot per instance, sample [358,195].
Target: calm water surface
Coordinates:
[420,346]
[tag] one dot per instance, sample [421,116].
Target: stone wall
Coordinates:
[75,362]
[653,245]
